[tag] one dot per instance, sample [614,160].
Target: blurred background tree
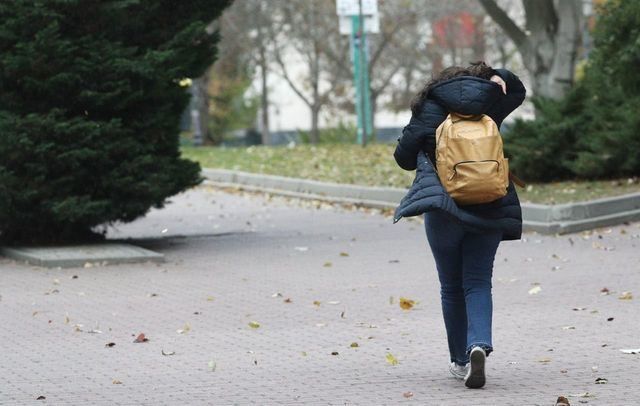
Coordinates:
[90,103]
[594,131]
[296,44]
[549,42]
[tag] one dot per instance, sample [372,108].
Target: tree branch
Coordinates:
[286,77]
[386,80]
[505,22]
[386,38]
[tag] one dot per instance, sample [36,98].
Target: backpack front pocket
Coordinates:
[472,182]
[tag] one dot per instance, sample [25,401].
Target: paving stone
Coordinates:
[228,254]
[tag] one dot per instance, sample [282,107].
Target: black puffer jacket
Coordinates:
[466,95]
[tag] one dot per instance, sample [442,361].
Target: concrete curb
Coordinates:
[81,255]
[545,219]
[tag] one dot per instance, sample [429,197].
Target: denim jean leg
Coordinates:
[478,252]
[445,241]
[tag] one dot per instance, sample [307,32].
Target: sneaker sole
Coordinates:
[476,378]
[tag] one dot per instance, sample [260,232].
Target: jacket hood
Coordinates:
[466,94]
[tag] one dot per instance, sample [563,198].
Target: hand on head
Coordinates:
[500,82]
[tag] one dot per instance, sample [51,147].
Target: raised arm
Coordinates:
[419,135]
[514,97]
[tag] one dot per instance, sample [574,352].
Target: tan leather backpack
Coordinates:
[470,160]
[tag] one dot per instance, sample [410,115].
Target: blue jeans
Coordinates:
[465,264]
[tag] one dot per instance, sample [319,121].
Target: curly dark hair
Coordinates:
[478,69]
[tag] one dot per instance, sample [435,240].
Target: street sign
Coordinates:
[371,24]
[352,7]
[357,18]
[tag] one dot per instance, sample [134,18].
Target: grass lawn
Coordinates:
[374,166]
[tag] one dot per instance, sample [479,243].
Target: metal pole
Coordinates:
[363,68]
[356,44]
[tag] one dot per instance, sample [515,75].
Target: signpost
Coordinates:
[363,17]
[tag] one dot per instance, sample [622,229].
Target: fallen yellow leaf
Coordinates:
[391,359]
[625,296]
[254,324]
[406,304]
[185,329]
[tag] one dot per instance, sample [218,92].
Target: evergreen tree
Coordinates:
[594,132]
[610,145]
[90,103]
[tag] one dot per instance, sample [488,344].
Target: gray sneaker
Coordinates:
[475,377]
[458,371]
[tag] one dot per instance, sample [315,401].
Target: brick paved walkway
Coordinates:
[247,254]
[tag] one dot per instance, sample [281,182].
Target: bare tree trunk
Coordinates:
[315,131]
[264,105]
[479,45]
[559,78]
[200,110]
[550,46]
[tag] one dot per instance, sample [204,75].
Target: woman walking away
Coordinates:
[461,110]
